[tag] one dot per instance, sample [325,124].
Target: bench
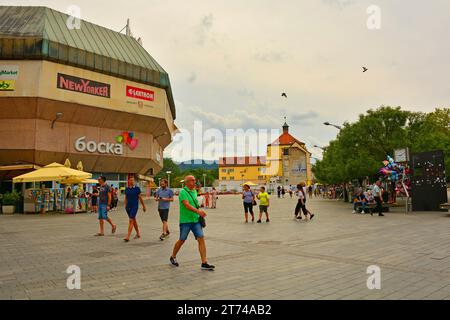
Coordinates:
[444,206]
[371,207]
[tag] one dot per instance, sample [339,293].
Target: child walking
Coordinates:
[264,204]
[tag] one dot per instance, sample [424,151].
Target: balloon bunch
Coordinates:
[392,170]
[129,139]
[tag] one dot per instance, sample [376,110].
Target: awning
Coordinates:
[52,172]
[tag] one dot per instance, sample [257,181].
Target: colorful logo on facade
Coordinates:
[7,85]
[128,139]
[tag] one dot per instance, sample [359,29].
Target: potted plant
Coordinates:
[9,202]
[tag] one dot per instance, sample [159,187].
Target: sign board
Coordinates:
[81,85]
[138,93]
[9,72]
[7,85]
[81,145]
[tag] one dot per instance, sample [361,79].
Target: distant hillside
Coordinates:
[198,163]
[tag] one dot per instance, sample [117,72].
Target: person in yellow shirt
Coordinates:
[264,204]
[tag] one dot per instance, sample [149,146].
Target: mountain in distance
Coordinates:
[199,163]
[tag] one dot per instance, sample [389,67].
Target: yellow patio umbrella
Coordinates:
[52,172]
[250,184]
[79,181]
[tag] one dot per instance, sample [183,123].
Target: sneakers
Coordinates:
[174,262]
[259,221]
[162,236]
[363,212]
[354,211]
[206,266]
[381,215]
[267,220]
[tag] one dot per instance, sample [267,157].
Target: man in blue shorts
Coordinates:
[104,205]
[164,196]
[190,221]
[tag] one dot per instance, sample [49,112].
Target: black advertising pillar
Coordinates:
[429,187]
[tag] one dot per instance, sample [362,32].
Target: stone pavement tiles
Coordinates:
[326,258]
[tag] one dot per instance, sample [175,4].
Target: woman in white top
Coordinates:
[301,204]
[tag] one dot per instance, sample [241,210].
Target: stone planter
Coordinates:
[8,209]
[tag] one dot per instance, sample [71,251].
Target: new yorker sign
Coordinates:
[72,83]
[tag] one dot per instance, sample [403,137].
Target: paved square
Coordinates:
[284,259]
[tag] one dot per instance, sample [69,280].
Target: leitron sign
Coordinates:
[139,93]
[81,85]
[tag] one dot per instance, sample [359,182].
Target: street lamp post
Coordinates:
[333,125]
[204,181]
[168,178]
[316,146]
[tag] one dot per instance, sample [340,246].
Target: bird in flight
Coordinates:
[284,95]
[365,69]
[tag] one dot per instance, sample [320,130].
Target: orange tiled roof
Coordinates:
[286,139]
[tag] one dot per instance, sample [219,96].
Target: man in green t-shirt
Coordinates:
[189,221]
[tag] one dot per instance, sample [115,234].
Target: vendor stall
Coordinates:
[54,199]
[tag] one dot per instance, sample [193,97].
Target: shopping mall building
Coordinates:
[83,93]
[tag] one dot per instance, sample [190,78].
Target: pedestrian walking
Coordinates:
[214,198]
[301,204]
[206,195]
[290,191]
[113,197]
[164,196]
[190,215]
[283,192]
[104,205]
[133,196]
[378,198]
[94,199]
[249,200]
[264,204]
[279,192]
[310,191]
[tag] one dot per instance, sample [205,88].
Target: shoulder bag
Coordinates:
[201,219]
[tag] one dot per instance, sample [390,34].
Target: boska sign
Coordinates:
[81,145]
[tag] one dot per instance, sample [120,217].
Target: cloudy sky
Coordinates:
[229,61]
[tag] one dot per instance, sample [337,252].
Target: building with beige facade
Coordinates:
[84,93]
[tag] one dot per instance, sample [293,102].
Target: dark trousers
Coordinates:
[248,207]
[379,205]
[300,206]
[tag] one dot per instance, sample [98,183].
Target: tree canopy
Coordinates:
[360,147]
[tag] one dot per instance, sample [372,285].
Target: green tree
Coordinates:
[360,147]
[178,175]
[168,165]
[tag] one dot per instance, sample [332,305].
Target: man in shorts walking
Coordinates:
[190,221]
[164,196]
[104,205]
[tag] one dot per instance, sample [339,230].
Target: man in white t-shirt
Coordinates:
[378,198]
